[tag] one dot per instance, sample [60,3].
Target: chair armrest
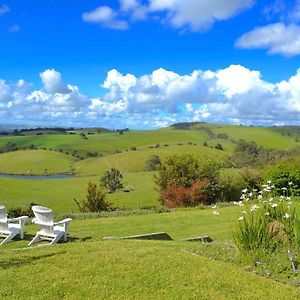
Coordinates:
[64,221]
[22,218]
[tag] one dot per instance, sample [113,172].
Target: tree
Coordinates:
[95,200]
[112,179]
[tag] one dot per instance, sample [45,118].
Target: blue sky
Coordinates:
[144,64]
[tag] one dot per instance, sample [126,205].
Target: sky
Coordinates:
[146,64]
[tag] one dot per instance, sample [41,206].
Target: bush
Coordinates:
[175,196]
[229,188]
[112,180]
[153,163]
[219,147]
[199,192]
[284,172]
[184,170]
[95,200]
[179,196]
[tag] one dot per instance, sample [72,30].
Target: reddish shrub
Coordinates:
[175,196]
[199,192]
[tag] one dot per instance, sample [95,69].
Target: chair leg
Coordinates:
[9,238]
[34,240]
[56,239]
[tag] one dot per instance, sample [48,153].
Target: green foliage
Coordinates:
[284,172]
[112,180]
[183,170]
[153,163]
[95,200]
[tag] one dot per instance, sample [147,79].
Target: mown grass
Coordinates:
[88,267]
[35,162]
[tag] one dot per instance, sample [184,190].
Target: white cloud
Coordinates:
[14,28]
[105,16]
[4,9]
[198,14]
[231,95]
[276,38]
[195,15]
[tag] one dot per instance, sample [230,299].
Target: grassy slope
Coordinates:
[59,193]
[35,162]
[88,267]
[134,161]
[107,142]
[266,137]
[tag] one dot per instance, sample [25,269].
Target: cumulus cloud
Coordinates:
[234,94]
[4,9]
[277,38]
[105,16]
[195,15]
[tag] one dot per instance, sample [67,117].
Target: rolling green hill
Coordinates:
[36,162]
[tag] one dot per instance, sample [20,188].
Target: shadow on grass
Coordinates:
[18,262]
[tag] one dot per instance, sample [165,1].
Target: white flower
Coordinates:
[260,192]
[254,207]
[284,188]
[241,218]
[214,206]
[269,181]
[290,183]
[271,199]
[250,194]
[282,197]
[216,213]
[288,198]
[259,197]
[286,216]
[235,203]
[247,199]
[273,186]
[254,190]
[290,203]
[267,213]
[244,212]
[245,190]
[241,203]
[274,205]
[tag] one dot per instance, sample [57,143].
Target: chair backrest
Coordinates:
[3,219]
[44,218]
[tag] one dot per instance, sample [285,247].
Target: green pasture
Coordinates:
[36,162]
[263,136]
[135,161]
[89,267]
[59,194]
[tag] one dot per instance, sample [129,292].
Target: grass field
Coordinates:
[59,193]
[88,267]
[36,162]
[135,161]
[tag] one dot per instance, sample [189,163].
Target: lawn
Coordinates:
[88,267]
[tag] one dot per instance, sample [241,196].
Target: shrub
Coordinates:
[270,222]
[284,172]
[95,200]
[183,170]
[175,196]
[229,188]
[112,180]
[179,196]
[133,148]
[199,192]
[153,163]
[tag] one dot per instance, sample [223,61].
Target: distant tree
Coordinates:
[153,163]
[112,180]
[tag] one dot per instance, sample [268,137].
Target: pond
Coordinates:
[36,177]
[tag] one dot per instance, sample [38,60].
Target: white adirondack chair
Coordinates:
[50,231]
[9,228]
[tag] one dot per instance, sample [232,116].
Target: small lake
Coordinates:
[36,177]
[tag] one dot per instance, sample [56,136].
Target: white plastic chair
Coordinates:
[9,228]
[50,231]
